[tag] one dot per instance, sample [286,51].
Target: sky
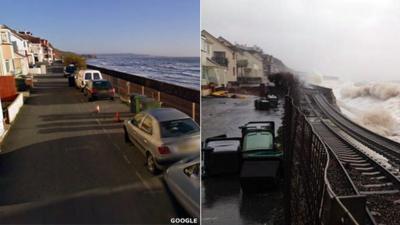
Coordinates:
[357,40]
[156,27]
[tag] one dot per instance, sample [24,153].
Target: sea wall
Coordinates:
[14,108]
[185,99]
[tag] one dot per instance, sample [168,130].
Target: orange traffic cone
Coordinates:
[117,118]
[97,109]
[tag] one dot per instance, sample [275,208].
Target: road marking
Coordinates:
[116,146]
[143,181]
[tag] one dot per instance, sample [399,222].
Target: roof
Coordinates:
[90,71]
[222,42]
[30,38]
[167,114]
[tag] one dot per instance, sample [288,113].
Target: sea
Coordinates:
[182,71]
[374,105]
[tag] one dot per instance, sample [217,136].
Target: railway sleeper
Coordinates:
[388,184]
[348,155]
[360,164]
[350,158]
[371,173]
[353,160]
[364,168]
[378,178]
[393,191]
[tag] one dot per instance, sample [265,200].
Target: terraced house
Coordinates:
[250,65]
[7,52]
[218,61]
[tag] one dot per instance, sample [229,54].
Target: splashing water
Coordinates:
[374,105]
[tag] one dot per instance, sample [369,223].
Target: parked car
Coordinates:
[99,89]
[69,70]
[183,180]
[84,75]
[164,136]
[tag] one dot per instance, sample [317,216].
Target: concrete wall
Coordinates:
[1,121]
[14,108]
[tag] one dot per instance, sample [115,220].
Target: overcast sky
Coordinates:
[352,39]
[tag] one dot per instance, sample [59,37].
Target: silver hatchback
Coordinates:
[164,136]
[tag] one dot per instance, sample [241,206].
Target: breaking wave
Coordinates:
[374,105]
[382,91]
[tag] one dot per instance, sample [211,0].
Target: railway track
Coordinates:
[374,175]
[381,145]
[366,175]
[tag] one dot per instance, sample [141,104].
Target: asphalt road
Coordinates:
[62,162]
[222,199]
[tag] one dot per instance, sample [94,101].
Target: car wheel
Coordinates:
[126,135]
[112,98]
[151,164]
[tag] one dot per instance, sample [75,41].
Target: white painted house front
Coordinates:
[21,49]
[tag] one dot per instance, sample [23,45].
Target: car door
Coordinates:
[87,76]
[147,130]
[133,129]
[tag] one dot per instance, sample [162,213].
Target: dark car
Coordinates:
[69,70]
[99,89]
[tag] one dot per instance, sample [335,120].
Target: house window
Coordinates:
[234,71]
[203,45]
[4,37]
[219,54]
[7,65]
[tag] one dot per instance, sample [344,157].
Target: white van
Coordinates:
[84,75]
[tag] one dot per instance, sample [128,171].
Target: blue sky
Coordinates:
[157,27]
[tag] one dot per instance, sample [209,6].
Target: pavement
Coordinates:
[62,162]
[222,199]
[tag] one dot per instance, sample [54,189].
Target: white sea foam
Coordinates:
[374,105]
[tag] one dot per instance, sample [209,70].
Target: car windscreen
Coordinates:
[176,128]
[96,76]
[102,84]
[258,141]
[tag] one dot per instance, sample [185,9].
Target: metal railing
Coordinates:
[184,99]
[309,198]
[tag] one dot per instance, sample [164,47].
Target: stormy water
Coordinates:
[374,105]
[182,71]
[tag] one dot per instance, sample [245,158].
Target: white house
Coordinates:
[47,51]
[7,52]
[250,66]
[218,62]
[21,49]
[34,46]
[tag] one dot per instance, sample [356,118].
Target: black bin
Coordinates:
[71,81]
